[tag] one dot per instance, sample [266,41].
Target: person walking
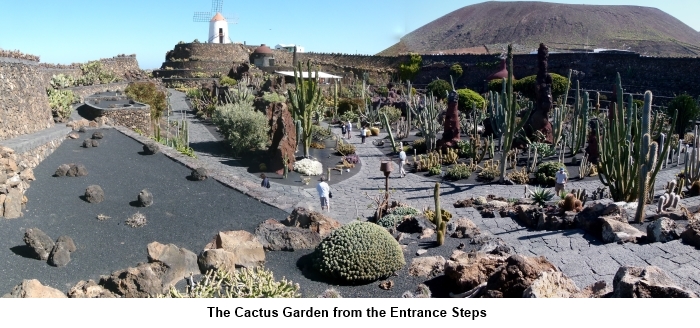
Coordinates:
[265,181]
[343,129]
[324,192]
[364,133]
[561,178]
[402,158]
[348,128]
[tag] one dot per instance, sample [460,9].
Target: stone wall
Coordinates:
[17,173]
[24,105]
[90,90]
[133,118]
[665,77]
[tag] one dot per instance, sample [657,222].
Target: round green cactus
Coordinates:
[358,252]
[390,221]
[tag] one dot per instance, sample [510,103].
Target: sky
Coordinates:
[68,31]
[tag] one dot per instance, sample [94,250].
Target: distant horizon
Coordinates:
[77,31]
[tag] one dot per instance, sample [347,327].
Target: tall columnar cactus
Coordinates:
[385,122]
[427,119]
[629,160]
[439,223]
[335,98]
[579,122]
[511,111]
[559,115]
[498,115]
[300,131]
[305,100]
[691,172]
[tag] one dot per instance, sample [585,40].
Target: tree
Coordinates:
[439,89]
[456,71]
[408,70]
[305,100]
[468,99]
[688,112]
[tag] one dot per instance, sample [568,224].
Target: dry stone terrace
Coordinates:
[577,254]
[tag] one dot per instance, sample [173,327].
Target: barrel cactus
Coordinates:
[358,252]
[390,221]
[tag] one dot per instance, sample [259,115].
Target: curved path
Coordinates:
[580,257]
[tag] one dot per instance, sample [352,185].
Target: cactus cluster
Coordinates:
[629,160]
[450,156]
[579,123]
[519,177]
[358,252]
[691,172]
[426,162]
[402,210]
[305,100]
[390,221]
[669,199]
[426,117]
[459,171]
[584,168]
[489,171]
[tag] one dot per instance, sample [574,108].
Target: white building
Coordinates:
[218,30]
[289,47]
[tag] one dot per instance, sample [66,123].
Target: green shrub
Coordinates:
[468,99]
[390,221]
[273,97]
[61,81]
[354,105]
[409,70]
[382,91]
[459,171]
[403,211]
[345,148]
[227,81]
[393,114]
[194,93]
[419,145]
[358,252]
[241,283]
[439,89]
[243,127]
[527,86]
[688,111]
[61,102]
[546,172]
[148,93]
[435,170]
[456,71]
[94,73]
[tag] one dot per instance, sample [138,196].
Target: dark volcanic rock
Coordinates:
[283,137]
[275,236]
[97,135]
[67,242]
[39,242]
[62,170]
[140,282]
[151,148]
[691,235]
[199,174]
[145,198]
[647,282]
[511,280]
[60,255]
[76,170]
[415,224]
[94,194]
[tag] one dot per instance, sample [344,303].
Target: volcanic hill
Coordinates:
[489,26]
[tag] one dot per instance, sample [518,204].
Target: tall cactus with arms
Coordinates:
[305,99]
[627,139]
[511,111]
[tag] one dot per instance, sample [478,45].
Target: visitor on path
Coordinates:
[402,158]
[348,128]
[324,192]
[343,129]
[562,178]
[364,133]
[265,181]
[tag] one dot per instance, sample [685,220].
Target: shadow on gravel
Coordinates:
[23,251]
[438,286]
[84,198]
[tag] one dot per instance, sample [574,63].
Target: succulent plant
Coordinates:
[390,221]
[358,252]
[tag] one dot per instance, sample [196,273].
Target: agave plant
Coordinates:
[540,196]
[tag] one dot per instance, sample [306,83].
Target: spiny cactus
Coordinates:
[667,201]
[559,115]
[305,100]
[385,121]
[439,223]
[511,111]
[691,171]
[579,122]
[619,146]
[427,119]
[584,169]
[498,114]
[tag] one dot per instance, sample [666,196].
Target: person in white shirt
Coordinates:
[324,192]
[348,128]
[561,178]
[402,158]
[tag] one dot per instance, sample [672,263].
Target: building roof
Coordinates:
[218,17]
[305,75]
[263,49]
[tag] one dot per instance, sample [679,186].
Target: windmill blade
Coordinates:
[231,19]
[202,16]
[216,6]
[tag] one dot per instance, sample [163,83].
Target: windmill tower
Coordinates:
[218,24]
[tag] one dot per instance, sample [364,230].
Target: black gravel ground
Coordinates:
[185,213]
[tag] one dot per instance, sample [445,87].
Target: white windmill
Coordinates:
[218,24]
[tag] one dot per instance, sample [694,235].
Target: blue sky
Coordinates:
[69,31]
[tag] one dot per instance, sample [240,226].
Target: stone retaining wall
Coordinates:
[24,105]
[18,173]
[83,92]
[133,118]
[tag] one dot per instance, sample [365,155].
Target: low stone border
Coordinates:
[245,186]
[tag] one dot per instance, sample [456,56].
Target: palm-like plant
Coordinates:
[541,196]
